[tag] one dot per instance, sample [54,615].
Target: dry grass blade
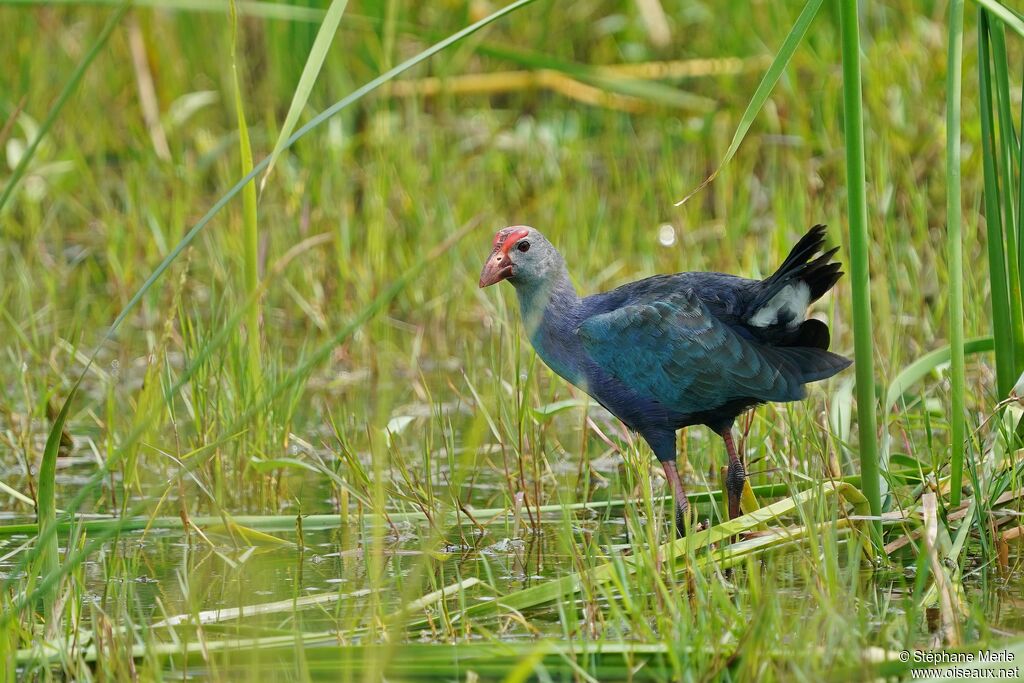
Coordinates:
[147,90]
[214,616]
[493,83]
[953,515]
[948,602]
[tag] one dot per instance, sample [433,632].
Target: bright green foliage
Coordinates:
[404,490]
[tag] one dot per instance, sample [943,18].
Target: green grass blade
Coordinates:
[46,503]
[1009,159]
[1019,227]
[250,226]
[253,8]
[954,247]
[651,91]
[764,89]
[1004,13]
[914,372]
[860,278]
[58,105]
[1002,328]
[315,62]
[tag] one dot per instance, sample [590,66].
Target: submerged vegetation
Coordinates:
[284,436]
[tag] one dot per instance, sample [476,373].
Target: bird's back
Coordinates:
[710,345]
[727,296]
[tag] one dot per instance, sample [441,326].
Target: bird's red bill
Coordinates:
[498,266]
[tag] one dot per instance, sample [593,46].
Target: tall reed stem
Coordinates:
[954,246]
[853,117]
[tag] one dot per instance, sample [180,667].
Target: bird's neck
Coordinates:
[544,303]
[550,311]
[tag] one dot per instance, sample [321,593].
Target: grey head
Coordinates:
[524,257]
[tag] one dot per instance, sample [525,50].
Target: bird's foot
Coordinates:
[734,480]
[683,520]
[686,521]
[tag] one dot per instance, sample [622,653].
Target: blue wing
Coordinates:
[676,352]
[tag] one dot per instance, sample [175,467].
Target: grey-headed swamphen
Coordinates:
[672,351]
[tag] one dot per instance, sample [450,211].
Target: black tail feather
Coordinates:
[820,275]
[813,334]
[809,245]
[804,264]
[806,364]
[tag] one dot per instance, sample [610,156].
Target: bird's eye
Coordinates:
[523,246]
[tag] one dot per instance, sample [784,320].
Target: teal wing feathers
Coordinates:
[674,351]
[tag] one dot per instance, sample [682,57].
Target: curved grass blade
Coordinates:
[16,494]
[315,62]
[58,105]
[764,89]
[1008,16]
[913,373]
[46,503]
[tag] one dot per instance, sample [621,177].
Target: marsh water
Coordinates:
[329,578]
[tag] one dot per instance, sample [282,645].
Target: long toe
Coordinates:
[685,519]
[734,480]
